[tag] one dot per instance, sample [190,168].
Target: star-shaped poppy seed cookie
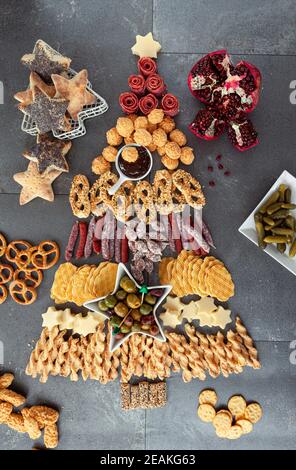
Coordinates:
[47,113]
[74,90]
[146,46]
[26,97]
[49,154]
[45,61]
[35,185]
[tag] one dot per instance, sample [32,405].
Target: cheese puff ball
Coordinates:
[141,122]
[187,155]
[179,137]
[156,116]
[152,147]
[161,151]
[169,163]
[109,153]
[132,117]
[130,154]
[124,126]
[113,138]
[142,137]
[159,137]
[173,150]
[100,165]
[167,124]
[129,140]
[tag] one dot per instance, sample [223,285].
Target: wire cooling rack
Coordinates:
[77,127]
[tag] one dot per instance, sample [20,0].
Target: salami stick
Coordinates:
[99,228]
[176,233]
[89,239]
[124,248]
[72,241]
[97,246]
[82,239]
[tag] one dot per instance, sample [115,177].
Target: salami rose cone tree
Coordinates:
[230,93]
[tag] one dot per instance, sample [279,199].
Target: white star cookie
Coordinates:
[170,319]
[67,320]
[51,318]
[146,46]
[85,325]
[173,305]
[221,317]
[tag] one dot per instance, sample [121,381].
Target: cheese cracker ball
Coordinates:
[132,117]
[161,151]
[113,138]
[152,147]
[130,154]
[169,163]
[159,137]
[187,155]
[173,150]
[109,153]
[143,137]
[156,116]
[100,165]
[168,124]
[141,122]
[179,137]
[151,128]
[124,126]
[129,140]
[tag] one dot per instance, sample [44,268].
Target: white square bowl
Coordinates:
[248,227]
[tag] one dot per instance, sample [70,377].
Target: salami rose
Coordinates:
[137,84]
[155,84]
[146,66]
[170,105]
[148,103]
[129,102]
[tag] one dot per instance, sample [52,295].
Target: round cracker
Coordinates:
[237,406]
[222,420]
[253,412]
[246,425]
[206,412]
[235,432]
[209,397]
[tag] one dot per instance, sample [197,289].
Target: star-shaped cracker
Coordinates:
[85,325]
[26,97]
[190,311]
[51,318]
[206,305]
[205,318]
[49,154]
[170,319]
[74,90]
[67,320]
[146,46]
[45,61]
[221,317]
[47,113]
[36,185]
[173,305]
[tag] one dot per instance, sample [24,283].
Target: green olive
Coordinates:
[102,306]
[133,301]
[125,329]
[115,320]
[121,309]
[120,294]
[128,285]
[150,299]
[136,315]
[145,309]
[136,326]
[111,301]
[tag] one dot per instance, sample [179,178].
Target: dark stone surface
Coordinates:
[98,35]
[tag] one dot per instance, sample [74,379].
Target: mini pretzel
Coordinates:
[3,294]
[23,259]
[15,248]
[6,273]
[3,244]
[46,256]
[79,196]
[21,293]
[32,278]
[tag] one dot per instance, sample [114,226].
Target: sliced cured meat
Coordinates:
[147,66]
[148,103]
[88,249]
[72,241]
[129,102]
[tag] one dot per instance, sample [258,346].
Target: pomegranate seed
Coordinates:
[220,166]
[219,158]
[212,183]
[227,173]
[210,168]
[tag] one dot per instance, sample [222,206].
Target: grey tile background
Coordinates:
[97,34]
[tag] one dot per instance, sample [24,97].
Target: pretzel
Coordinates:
[162,186]
[189,187]
[46,256]
[6,273]
[79,196]
[15,248]
[144,202]
[122,201]
[32,278]
[21,293]
[3,244]
[3,294]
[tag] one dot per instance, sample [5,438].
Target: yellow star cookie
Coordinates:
[170,319]
[146,46]
[190,311]
[85,325]
[221,317]
[173,305]
[51,318]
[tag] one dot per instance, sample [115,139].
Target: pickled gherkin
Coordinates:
[261,234]
[271,200]
[281,247]
[282,192]
[276,239]
[292,251]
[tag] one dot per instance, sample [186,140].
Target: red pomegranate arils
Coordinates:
[227,173]
[212,183]
[210,168]
[82,239]
[220,166]
[219,158]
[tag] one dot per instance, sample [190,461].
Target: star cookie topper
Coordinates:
[146,46]
[122,271]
